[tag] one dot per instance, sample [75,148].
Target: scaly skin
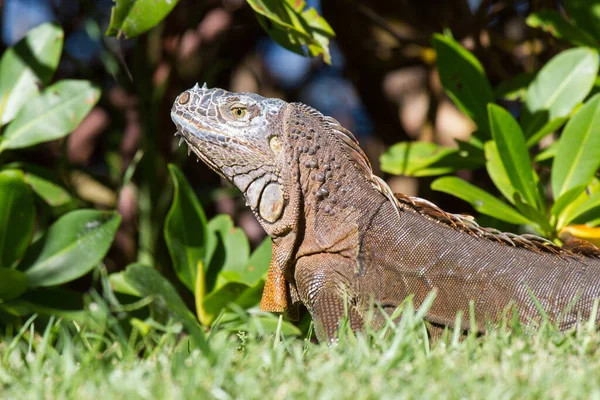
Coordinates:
[341,238]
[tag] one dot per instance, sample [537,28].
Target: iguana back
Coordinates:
[340,235]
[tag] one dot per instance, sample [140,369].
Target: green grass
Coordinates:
[70,361]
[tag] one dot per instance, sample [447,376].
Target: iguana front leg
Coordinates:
[324,285]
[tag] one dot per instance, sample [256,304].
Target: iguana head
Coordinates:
[239,135]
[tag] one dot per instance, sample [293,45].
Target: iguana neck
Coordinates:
[331,182]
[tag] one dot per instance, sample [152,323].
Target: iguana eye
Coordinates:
[239,112]
[275,145]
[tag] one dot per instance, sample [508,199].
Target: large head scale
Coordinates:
[237,135]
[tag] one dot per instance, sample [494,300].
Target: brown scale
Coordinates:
[320,176]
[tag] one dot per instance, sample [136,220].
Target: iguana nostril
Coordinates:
[184,98]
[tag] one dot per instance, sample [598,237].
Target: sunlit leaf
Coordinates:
[130,18]
[546,129]
[559,86]
[464,81]
[513,152]
[578,156]
[563,201]
[552,21]
[52,115]
[546,154]
[497,172]
[427,159]
[295,26]
[588,201]
[481,200]
[71,247]
[27,66]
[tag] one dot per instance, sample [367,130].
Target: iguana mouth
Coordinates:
[188,139]
[200,133]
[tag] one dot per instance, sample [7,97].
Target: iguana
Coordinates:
[342,241]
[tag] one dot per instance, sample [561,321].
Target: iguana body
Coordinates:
[342,240]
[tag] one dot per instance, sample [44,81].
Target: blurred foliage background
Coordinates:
[378,76]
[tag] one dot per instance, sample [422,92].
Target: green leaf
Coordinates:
[27,65]
[294,26]
[536,216]
[595,222]
[563,202]
[232,293]
[71,247]
[218,300]
[514,155]
[497,172]
[149,282]
[52,115]
[464,81]
[516,88]
[131,18]
[54,195]
[251,296]
[578,156]
[552,21]
[408,158]
[119,284]
[585,203]
[548,128]
[235,251]
[43,182]
[60,302]
[546,154]
[585,14]
[258,264]
[428,159]
[559,86]
[13,283]
[185,230]
[481,200]
[16,217]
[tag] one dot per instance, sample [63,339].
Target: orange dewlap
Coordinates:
[274,297]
